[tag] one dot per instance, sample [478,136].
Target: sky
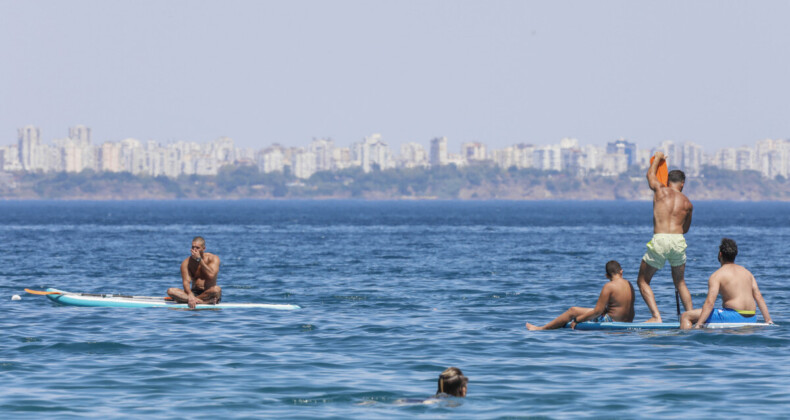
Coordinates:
[499,72]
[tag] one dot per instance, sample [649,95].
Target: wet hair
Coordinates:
[612,268]
[728,249]
[451,382]
[676,176]
[199,239]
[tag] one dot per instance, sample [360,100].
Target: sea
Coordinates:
[391,294]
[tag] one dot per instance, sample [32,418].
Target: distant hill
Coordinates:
[479,182]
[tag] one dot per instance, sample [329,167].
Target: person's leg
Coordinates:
[689,318]
[646,272]
[561,320]
[178,295]
[679,278]
[212,295]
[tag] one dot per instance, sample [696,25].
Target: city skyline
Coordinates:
[77,152]
[500,73]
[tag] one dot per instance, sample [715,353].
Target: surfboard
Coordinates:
[127,301]
[663,172]
[634,326]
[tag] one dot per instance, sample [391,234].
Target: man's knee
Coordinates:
[171,291]
[215,289]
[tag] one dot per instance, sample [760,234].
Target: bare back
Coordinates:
[620,300]
[671,211]
[735,287]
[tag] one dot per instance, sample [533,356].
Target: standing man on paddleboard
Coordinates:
[671,219]
[199,276]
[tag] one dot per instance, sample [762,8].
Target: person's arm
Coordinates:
[652,179]
[186,280]
[707,307]
[687,221]
[210,269]
[758,297]
[600,306]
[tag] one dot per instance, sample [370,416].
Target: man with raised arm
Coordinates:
[199,277]
[739,294]
[615,303]
[671,219]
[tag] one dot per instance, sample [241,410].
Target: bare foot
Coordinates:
[533,327]
[654,319]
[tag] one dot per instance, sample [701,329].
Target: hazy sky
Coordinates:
[500,72]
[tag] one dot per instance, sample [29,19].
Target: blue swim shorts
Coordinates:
[601,318]
[727,315]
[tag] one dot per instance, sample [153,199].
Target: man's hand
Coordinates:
[660,156]
[192,301]
[196,254]
[698,326]
[573,324]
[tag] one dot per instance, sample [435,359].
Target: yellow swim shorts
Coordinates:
[666,246]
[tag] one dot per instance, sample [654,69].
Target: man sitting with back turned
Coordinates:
[671,219]
[738,289]
[615,303]
[199,277]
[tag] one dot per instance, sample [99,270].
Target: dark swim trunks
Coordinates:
[198,292]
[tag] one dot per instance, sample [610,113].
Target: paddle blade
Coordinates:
[663,173]
[41,292]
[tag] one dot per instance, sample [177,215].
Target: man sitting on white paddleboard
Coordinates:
[739,294]
[671,219]
[199,276]
[615,303]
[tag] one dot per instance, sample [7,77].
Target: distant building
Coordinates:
[548,158]
[473,151]
[744,159]
[439,151]
[303,163]
[271,159]
[623,147]
[412,155]
[614,164]
[322,149]
[28,143]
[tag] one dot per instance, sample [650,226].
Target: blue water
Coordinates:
[392,293]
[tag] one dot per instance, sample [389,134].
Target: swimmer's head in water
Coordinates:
[452,382]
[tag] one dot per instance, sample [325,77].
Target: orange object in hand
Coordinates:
[662,173]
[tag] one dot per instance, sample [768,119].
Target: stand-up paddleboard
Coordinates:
[635,326]
[663,172]
[126,301]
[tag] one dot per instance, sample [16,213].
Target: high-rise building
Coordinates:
[81,135]
[439,151]
[744,159]
[322,149]
[473,151]
[303,163]
[691,162]
[412,155]
[623,147]
[29,140]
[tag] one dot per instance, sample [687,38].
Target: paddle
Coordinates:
[42,292]
[662,173]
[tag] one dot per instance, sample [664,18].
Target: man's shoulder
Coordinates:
[211,256]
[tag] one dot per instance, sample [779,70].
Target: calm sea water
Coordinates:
[392,293]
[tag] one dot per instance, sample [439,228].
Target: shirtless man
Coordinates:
[199,276]
[739,293]
[615,303]
[671,219]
